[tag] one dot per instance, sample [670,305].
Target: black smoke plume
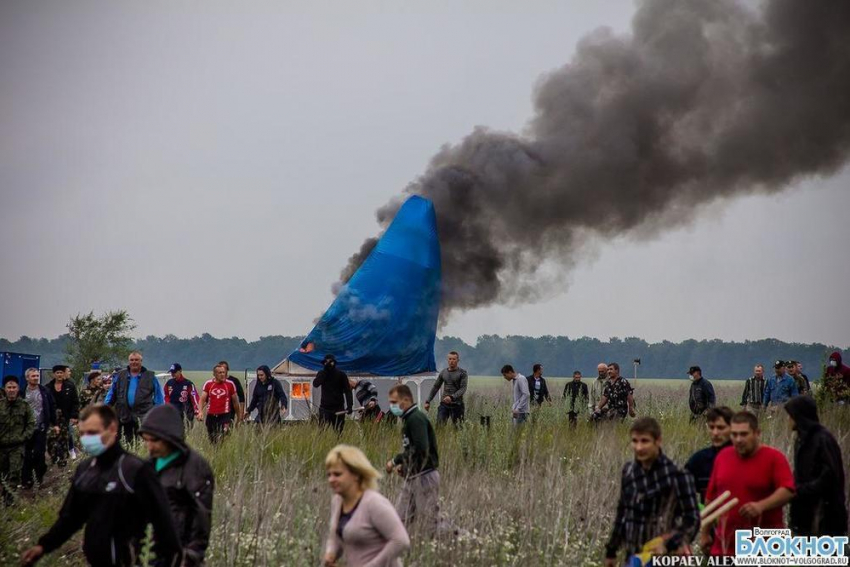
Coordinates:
[704,100]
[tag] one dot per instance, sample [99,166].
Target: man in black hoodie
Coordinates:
[186,477]
[115,495]
[336,394]
[818,506]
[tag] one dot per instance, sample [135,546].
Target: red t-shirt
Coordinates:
[219,396]
[749,480]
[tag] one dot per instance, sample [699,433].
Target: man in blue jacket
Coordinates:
[780,388]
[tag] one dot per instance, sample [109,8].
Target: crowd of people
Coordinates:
[658,511]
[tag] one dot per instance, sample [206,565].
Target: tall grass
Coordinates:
[541,495]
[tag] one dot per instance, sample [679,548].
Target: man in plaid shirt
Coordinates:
[754,389]
[656,499]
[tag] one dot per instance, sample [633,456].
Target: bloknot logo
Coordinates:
[779,547]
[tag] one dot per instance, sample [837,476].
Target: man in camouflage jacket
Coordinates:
[17,424]
[94,393]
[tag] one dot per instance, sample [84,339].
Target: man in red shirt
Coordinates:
[217,399]
[757,475]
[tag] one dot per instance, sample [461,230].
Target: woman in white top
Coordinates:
[364,526]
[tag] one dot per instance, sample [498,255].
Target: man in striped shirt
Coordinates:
[754,390]
[657,499]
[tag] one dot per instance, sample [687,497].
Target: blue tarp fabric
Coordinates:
[384,320]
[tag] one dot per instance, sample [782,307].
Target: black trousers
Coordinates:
[188,417]
[128,431]
[330,418]
[35,462]
[455,412]
[218,426]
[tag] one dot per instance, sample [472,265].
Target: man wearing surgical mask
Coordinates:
[419,500]
[836,379]
[116,495]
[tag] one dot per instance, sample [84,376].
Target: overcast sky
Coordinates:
[210,166]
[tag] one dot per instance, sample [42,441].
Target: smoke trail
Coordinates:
[704,100]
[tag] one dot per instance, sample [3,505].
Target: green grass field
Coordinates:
[543,495]
[484,383]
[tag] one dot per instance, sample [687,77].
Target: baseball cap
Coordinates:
[693,369]
[779,364]
[175,368]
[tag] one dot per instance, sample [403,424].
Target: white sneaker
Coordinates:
[73,453]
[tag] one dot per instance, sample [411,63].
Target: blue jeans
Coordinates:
[520,418]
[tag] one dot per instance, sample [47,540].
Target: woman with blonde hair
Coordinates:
[364,526]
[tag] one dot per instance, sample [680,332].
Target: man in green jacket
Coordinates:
[17,425]
[419,500]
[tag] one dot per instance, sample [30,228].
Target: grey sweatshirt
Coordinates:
[521,394]
[453,383]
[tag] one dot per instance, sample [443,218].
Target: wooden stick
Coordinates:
[714,504]
[711,518]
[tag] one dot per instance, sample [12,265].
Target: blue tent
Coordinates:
[384,320]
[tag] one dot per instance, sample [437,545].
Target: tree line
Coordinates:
[559,355]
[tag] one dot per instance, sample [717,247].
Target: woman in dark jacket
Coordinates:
[818,506]
[268,397]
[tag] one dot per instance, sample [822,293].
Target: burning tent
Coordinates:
[383,322]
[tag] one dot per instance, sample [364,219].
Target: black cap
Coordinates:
[10,378]
[693,369]
[790,363]
[175,368]
[779,364]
